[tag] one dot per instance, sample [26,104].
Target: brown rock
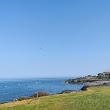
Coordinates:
[40,94]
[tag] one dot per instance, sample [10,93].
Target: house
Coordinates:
[105,74]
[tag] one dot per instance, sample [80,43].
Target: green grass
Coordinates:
[96,98]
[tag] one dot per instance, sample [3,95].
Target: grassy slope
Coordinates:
[96,98]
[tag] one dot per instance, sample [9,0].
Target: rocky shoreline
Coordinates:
[88,81]
[101,79]
[89,84]
[84,88]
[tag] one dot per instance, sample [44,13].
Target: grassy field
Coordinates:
[95,98]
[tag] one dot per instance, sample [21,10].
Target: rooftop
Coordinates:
[107,72]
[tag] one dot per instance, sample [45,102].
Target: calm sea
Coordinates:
[14,88]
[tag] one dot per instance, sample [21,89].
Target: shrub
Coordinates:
[40,94]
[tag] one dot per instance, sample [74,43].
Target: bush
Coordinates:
[40,94]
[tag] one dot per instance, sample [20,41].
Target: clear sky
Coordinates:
[54,38]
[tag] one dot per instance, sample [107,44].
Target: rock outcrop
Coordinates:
[40,94]
[67,91]
[95,83]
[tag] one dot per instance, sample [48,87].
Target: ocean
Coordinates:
[14,88]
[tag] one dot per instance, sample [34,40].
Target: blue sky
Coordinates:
[54,38]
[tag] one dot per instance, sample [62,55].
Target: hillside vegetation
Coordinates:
[95,98]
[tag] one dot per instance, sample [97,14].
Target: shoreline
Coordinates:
[86,81]
[93,98]
[43,94]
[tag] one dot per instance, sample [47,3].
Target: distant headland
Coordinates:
[99,79]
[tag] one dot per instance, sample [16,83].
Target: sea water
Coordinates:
[14,88]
